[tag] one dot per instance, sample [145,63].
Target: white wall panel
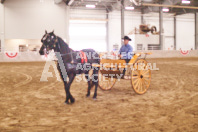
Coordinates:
[114,29]
[1,15]
[168,26]
[88,34]
[87,14]
[88,29]
[28,19]
[2,33]
[132,20]
[185,32]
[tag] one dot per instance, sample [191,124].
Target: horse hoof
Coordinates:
[94,98]
[72,100]
[88,95]
[66,102]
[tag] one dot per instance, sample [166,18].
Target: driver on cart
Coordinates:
[126,52]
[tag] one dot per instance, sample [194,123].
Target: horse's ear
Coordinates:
[53,31]
[45,31]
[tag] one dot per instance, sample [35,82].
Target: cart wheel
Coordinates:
[106,83]
[140,76]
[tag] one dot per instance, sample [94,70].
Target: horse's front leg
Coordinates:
[67,93]
[67,88]
[65,85]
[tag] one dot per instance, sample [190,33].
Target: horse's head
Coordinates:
[49,41]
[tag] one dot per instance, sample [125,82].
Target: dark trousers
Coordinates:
[127,61]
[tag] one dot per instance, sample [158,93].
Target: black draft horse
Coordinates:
[70,60]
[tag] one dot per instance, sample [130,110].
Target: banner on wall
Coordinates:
[10,54]
[184,52]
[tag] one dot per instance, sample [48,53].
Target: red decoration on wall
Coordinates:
[184,52]
[11,55]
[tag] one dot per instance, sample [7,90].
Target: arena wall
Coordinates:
[171,53]
[35,56]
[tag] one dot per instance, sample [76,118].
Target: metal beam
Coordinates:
[2,27]
[142,16]
[175,32]
[2,1]
[171,6]
[67,23]
[107,30]
[161,28]
[196,30]
[122,19]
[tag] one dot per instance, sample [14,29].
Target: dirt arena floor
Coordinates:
[170,104]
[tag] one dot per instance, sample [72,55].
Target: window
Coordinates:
[23,48]
[88,34]
[153,47]
[139,46]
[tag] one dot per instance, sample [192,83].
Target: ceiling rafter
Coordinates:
[2,1]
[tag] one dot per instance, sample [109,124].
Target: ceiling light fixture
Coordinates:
[90,6]
[165,10]
[185,2]
[129,8]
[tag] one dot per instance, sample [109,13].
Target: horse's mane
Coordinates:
[63,45]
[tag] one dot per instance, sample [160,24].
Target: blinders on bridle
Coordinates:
[49,42]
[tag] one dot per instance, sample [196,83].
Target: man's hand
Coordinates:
[120,55]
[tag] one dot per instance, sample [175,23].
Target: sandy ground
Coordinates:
[170,104]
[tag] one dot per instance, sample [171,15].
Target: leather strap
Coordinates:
[83,57]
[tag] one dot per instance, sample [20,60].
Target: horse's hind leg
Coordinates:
[95,81]
[89,83]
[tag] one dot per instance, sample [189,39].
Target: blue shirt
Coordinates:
[126,51]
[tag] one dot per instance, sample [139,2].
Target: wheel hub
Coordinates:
[141,76]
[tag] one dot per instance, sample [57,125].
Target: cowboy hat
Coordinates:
[126,38]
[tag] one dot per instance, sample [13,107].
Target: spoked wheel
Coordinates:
[140,76]
[106,83]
